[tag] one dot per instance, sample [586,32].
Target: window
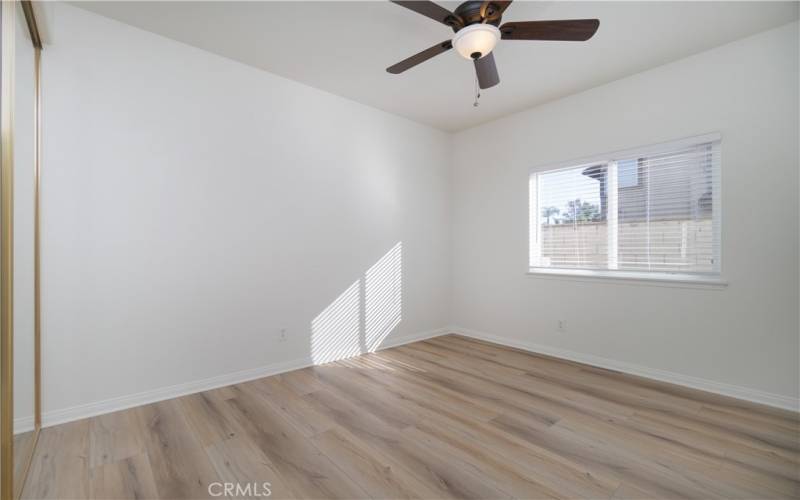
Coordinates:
[650,212]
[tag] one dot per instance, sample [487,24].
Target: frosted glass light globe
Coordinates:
[476,40]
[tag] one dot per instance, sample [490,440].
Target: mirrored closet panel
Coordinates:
[24,203]
[19,205]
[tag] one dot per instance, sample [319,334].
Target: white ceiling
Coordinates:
[344,47]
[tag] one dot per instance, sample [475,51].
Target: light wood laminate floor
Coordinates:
[450,417]
[23,447]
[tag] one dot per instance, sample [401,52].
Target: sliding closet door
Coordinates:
[19,344]
[24,147]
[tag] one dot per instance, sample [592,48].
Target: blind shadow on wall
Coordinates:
[364,314]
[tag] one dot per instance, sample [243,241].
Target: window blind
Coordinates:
[650,210]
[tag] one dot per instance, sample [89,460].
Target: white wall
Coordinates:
[193,206]
[745,335]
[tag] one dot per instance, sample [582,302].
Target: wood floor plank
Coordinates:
[635,398]
[764,415]
[563,477]
[340,379]
[628,492]
[113,437]
[706,398]
[438,418]
[726,482]
[128,478]
[479,370]
[421,394]
[60,467]
[302,382]
[737,453]
[576,395]
[601,457]
[538,400]
[281,398]
[486,392]
[24,443]
[407,384]
[715,475]
[449,480]
[394,399]
[772,435]
[506,476]
[686,397]
[181,468]
[518,358]
[479,366]
[464,479]
[725,432]
[433,419]
[303,468]
[450,417]
[239,461]
[222,392]
[378,474]
[205,413]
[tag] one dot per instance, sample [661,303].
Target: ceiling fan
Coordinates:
[475,24]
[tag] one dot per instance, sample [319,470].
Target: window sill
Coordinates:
[631,278]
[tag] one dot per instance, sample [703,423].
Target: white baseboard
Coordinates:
[23,424]
[73,413]
[56,417]
[93,409]
[415,337]
[734,391]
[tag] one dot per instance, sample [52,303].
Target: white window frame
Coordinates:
[704,280]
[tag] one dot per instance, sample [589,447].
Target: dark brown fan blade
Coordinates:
[429,9]
[493,9]
[486,70]
[503,4]
[420,58]
[574,30]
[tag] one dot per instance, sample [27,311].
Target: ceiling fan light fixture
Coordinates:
[476,40]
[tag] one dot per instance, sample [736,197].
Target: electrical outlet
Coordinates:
[282,336]
[562,326]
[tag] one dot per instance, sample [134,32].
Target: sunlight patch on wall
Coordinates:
[361,318]
[383,297]
[335,332]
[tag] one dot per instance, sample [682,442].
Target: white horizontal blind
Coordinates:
[654,210]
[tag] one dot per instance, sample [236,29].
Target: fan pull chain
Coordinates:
[477,93]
